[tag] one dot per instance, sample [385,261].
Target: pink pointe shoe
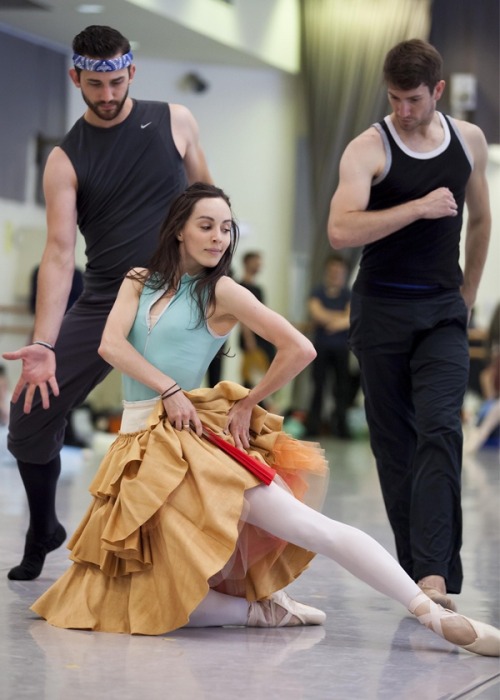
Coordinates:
[279,610]
[471,635]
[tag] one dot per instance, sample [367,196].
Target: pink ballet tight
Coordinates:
[278,512]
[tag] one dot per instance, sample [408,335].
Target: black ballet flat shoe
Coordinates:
[34,555]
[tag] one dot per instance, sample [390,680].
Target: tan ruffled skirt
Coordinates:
[167,522]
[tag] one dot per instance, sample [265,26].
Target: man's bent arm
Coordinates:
[349,224]
[185,133]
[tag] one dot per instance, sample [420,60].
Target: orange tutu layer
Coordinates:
[167,522]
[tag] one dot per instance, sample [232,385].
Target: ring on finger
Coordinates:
[186,425]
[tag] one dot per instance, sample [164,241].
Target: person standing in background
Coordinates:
[328,307]
[114,175]
[258,353]
[401,194]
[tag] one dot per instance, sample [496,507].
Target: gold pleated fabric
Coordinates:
[167,523]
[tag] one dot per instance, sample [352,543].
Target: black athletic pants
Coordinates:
[331,363]
[414,363]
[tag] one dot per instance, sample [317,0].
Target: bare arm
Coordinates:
[293,350]
[119,353]
[186,137]
[349,224]
[58,261]
[54,281]
[479,216]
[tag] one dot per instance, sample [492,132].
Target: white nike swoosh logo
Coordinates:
[143,126]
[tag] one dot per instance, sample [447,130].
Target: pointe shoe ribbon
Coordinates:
[440,598]
[456,628]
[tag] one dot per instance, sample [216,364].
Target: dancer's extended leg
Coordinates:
[279,513]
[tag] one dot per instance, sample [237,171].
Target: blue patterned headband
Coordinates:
[102,65]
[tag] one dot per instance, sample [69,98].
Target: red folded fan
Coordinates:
[261,470]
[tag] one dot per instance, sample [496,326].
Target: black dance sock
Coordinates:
[34,555]
[45,533]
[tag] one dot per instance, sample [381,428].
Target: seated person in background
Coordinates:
[328,307]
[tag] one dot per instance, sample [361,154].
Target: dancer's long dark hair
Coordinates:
[163,268]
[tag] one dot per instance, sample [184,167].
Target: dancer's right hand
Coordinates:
[182,414]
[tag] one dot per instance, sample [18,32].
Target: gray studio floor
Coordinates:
[369,648]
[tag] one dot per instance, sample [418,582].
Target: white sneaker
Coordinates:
[279,610]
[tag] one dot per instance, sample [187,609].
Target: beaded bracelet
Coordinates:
[44,344]
[171,394]
[167,390]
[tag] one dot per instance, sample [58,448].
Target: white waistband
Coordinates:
[135,415]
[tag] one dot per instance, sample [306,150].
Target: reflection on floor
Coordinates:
[370,648]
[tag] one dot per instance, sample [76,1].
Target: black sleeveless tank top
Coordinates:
[423,256]
[128,175]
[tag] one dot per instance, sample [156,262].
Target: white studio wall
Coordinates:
[489,289]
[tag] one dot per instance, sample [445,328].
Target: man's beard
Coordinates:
[107,115]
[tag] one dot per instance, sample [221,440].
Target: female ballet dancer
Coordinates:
[178,532]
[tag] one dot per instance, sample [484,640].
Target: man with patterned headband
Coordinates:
[103,65]
[114,175]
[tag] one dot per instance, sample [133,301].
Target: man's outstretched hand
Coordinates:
[39,371]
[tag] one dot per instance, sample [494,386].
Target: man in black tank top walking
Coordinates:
[402,188]
[114,175]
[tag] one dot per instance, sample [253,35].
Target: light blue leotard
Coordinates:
[177,344]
